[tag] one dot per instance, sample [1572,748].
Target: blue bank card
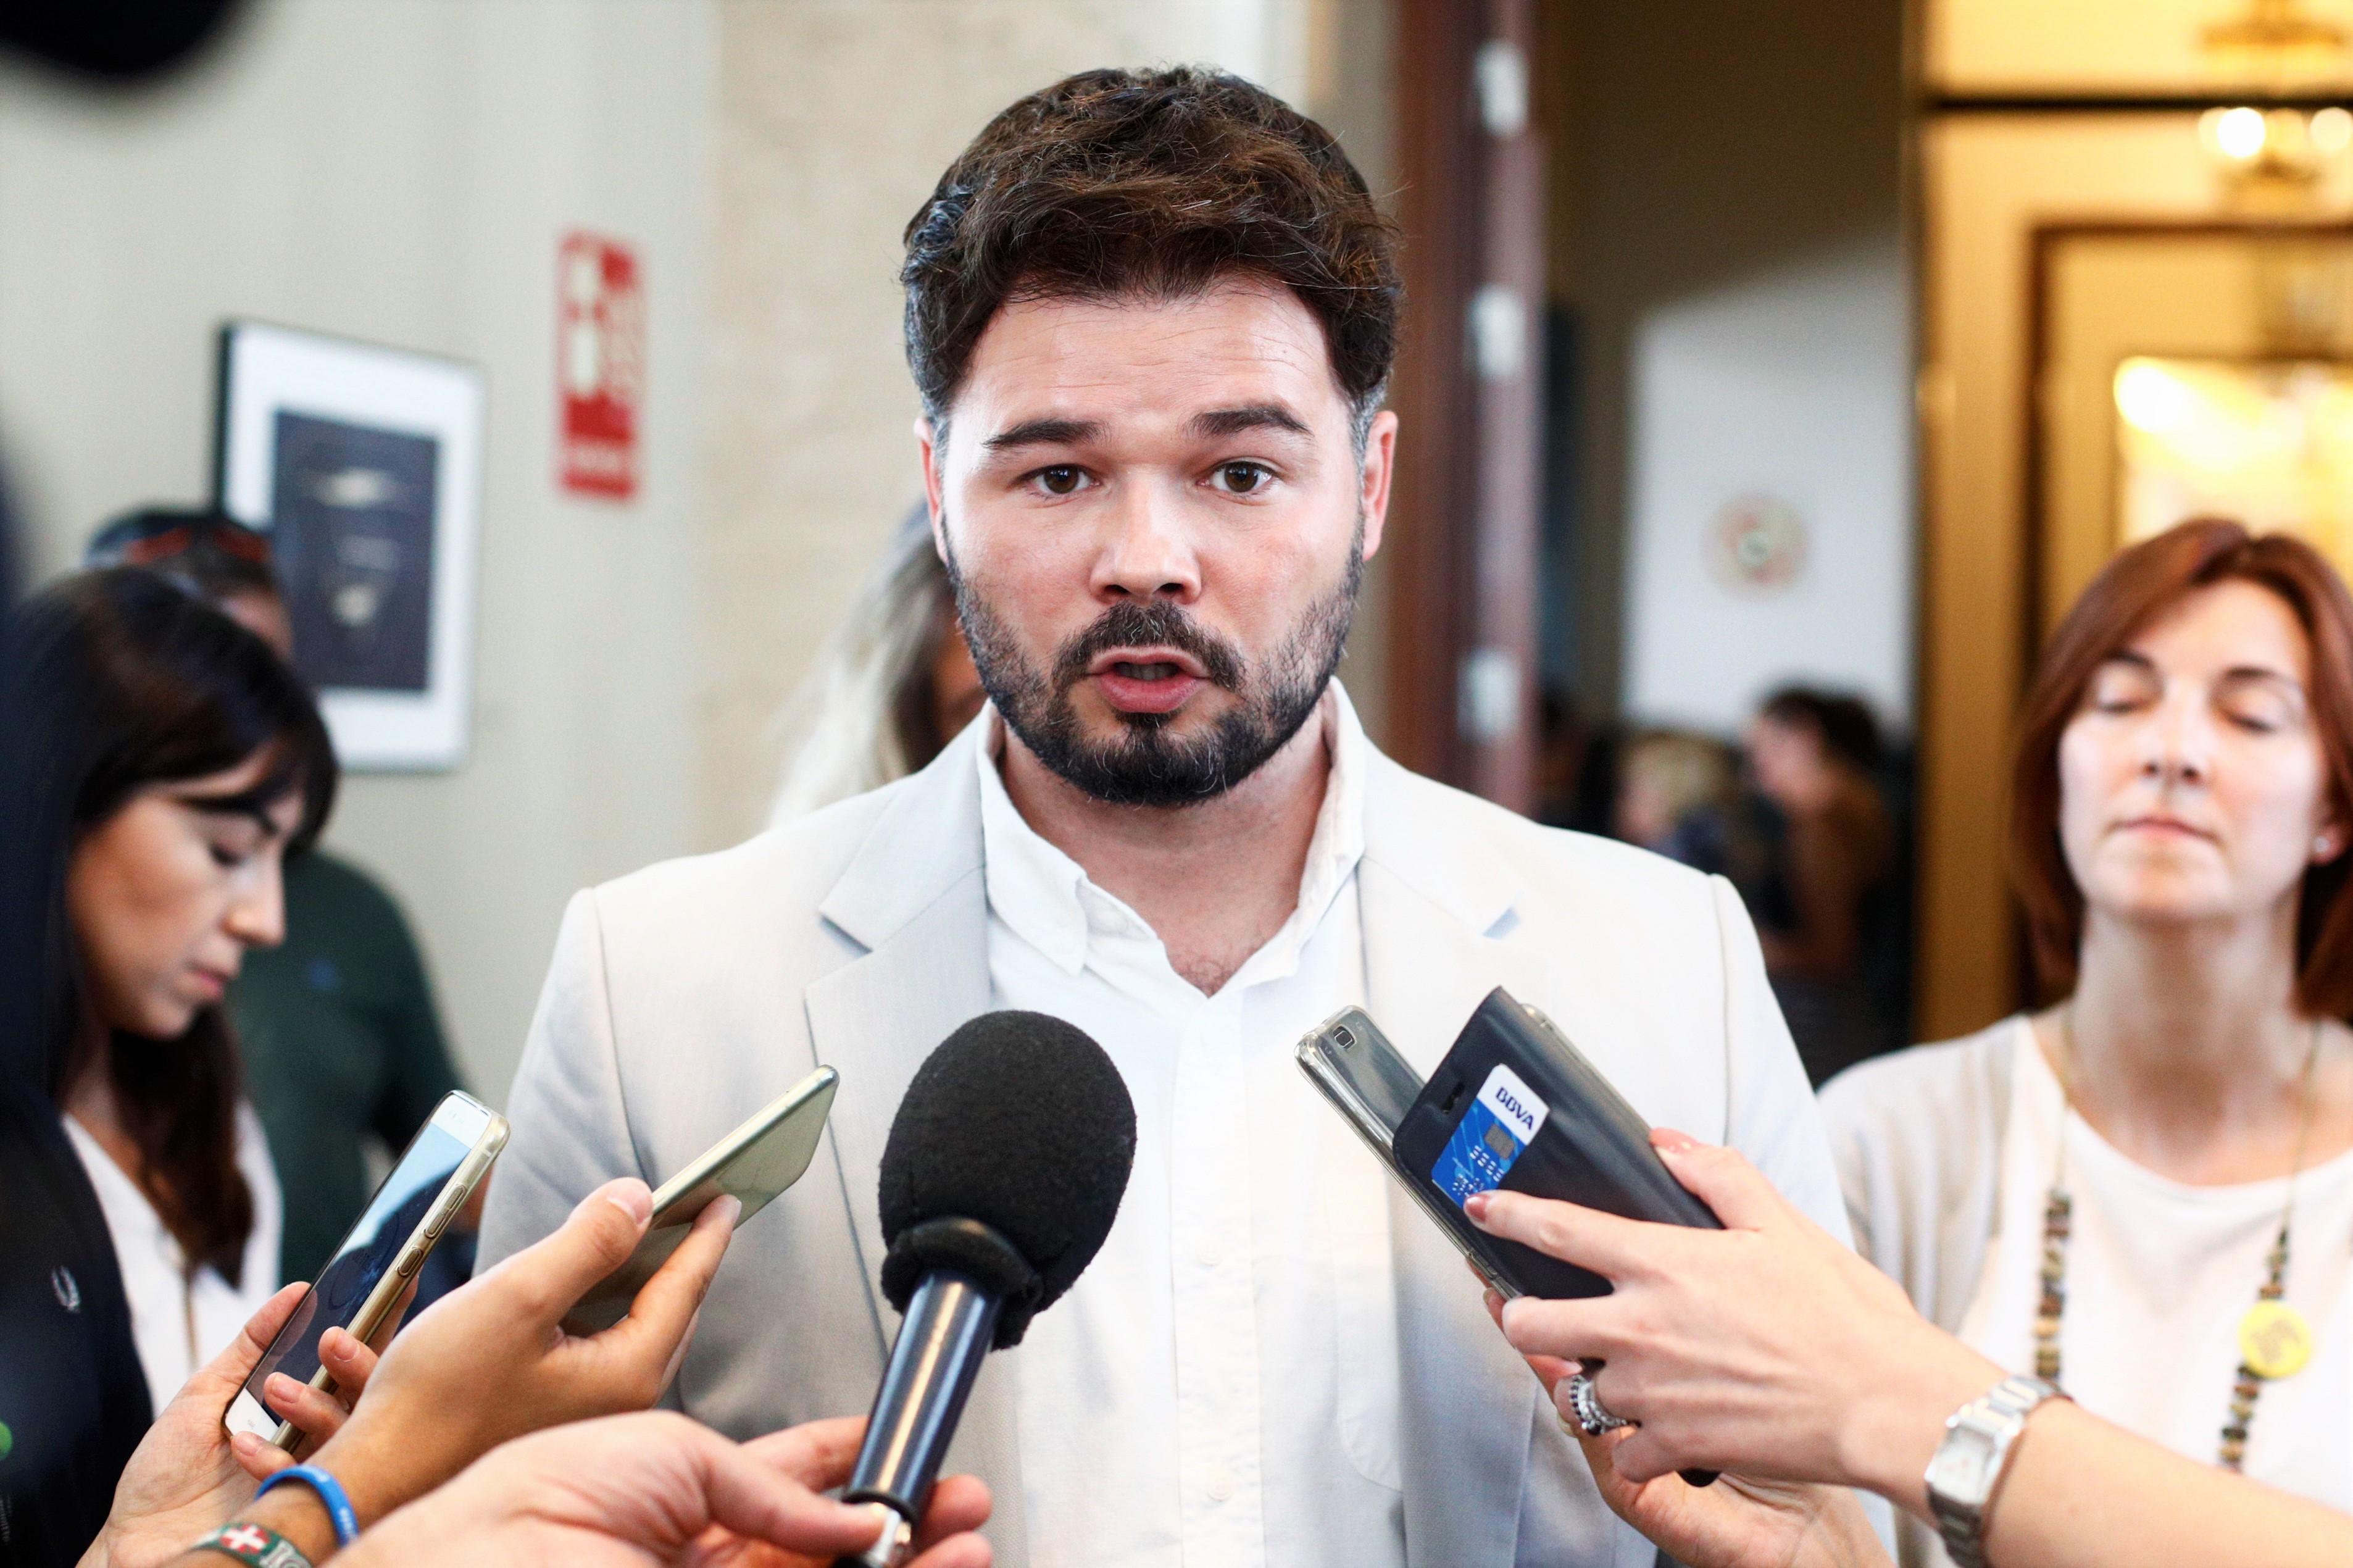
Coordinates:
[1497,1128]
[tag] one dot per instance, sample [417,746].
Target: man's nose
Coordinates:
[1146,555]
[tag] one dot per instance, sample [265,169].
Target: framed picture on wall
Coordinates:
[364,466]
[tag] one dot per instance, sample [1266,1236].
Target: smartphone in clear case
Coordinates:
[1373,1088]
[1514,1104]
[359,1287]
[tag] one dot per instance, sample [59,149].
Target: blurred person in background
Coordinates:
[179,762]
[72,1402]
[1676,796]
[1812,755]
[893,685]
[342,1043]
[1577,766]
[2146,1191]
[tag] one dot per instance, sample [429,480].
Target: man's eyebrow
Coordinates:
[1045,432]
[1219,422]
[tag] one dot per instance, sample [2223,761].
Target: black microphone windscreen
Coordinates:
[1018,1121]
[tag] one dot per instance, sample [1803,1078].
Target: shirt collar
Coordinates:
[1043,896]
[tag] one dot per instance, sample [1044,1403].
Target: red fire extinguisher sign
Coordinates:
[600,365]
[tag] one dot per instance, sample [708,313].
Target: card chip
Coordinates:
[1492,1135]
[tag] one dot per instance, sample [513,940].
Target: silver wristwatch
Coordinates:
[1967,1467]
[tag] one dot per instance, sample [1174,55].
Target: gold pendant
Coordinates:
[2274,1340]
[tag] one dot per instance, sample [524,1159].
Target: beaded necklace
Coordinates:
[2275,1341]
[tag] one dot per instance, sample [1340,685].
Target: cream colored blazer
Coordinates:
[686,995]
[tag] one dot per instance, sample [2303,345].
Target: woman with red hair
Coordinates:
[2142,1194]
[2145,1191]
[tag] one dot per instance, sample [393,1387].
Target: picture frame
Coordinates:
[364,465]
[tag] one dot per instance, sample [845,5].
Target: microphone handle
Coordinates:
[950,1324]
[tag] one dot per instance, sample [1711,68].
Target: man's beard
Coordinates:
[1144,764]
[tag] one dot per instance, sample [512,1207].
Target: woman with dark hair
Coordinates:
[1813,754]
[166,763]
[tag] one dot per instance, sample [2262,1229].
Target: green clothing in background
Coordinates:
[341,1041]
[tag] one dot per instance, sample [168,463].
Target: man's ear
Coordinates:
[935,451]
[1373,480]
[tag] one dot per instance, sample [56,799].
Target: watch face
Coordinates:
[1958,1469]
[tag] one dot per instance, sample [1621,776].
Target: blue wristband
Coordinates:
[330,1494]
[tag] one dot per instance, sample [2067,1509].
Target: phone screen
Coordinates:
[374,1246]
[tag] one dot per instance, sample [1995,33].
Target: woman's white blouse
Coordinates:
[2158,1275]
[179,1323]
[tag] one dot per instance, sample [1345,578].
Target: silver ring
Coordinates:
[1585,1407]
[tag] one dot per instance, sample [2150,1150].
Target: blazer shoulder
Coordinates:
[784,868]
[1546,857]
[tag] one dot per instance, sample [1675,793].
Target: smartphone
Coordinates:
[375,1261]
[751,1164]
[1514,1104]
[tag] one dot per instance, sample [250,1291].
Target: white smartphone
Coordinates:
[752,1164]
[429,1183]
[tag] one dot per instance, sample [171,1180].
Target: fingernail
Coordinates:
[633,1198]
[1475,1205]
[729,1205]
[1667,1140]
[245,1444]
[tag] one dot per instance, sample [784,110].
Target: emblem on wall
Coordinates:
[1757,544]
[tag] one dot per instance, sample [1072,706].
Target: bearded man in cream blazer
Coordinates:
[1150,315]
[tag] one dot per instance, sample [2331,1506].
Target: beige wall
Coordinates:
[401,170]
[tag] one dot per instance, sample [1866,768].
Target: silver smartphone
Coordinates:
[1372,1085]
[751,1164]
[429,1183]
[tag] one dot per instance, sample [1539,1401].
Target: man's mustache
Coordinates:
[1131,623]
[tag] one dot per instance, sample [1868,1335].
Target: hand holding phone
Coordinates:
[490,1362]
[1515,1106]
[374,1268]
[752,1164]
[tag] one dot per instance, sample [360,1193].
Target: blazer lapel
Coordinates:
[1433,903]
[914,897]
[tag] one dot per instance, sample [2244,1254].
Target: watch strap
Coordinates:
[253,1544]
[1991,1423]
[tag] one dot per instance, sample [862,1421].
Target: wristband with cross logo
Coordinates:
[255,1544]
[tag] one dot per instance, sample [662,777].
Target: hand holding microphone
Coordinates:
[1003,1173]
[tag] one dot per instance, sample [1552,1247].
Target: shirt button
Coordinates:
[1207,1254]
[1220,1483]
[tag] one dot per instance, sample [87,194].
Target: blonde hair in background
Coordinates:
[1682,771]
[842,728]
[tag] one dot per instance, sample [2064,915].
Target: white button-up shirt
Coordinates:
[1221,1386]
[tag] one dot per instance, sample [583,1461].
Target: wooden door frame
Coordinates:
[1464,524]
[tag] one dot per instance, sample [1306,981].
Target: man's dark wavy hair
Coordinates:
[1158,182]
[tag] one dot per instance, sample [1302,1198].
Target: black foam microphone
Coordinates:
[1004,1170]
